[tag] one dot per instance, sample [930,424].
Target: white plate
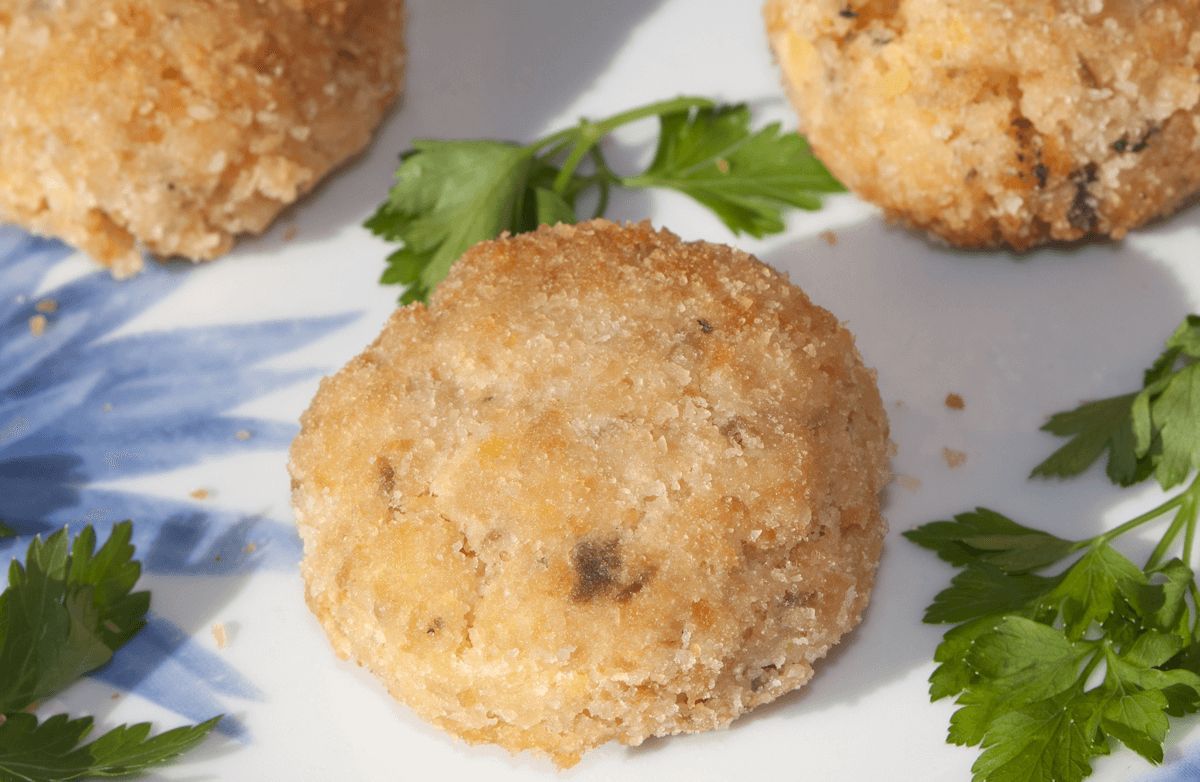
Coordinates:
[136,394]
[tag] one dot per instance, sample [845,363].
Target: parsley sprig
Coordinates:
[451,194]
[1155,431]
[1059,646]
[63,614]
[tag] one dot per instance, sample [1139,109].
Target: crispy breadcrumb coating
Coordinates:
[991,122]
[172,125]
[607,485]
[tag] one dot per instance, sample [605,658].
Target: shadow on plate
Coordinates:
[1018,340]
[84,405]
[458,52]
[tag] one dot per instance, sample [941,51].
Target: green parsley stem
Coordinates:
[603,178]
[557,148]
[1160,551]
[1196,603]
[557,142]
[587,134]
[1185,519]
[1133,523]
[1188,511]
[661,108]
[608,125]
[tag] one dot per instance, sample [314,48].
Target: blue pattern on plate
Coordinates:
[83,404]
[1186,770]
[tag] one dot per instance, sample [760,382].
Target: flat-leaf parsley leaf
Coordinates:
[1154,431]
[63,614]
[451,194]
[1060,647]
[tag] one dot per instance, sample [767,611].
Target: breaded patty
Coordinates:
[992,122]
[172,126]
[607,485]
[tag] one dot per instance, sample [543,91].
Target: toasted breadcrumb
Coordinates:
[199,494]
[47,306]
[829,237]
[172,126]
[241,434]
[608,485]
[954,458]
[220,635]
[989,122]
[955,402]
[37,325]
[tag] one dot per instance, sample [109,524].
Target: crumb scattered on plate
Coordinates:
[954,458]
[955,402]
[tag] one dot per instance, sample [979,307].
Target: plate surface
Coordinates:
[170,399]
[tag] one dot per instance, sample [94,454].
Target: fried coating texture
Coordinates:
[992,122]
[608,485]
[172,125]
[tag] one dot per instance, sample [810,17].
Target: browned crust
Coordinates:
[607,485]
[173,125]
[989,123]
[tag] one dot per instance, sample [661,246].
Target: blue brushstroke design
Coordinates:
[1186,769]
[82,404]
[178,659]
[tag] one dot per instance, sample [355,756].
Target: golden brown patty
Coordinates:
[608,485]
[991,122]
[174,125]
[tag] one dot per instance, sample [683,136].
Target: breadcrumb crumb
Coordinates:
[954,458]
